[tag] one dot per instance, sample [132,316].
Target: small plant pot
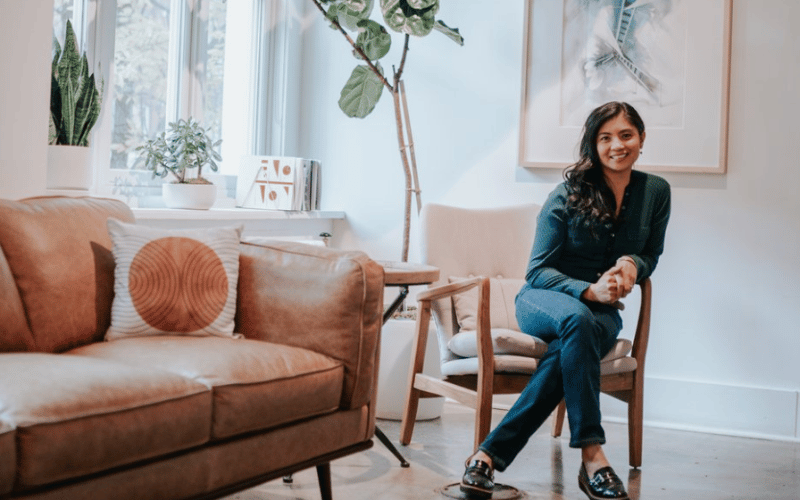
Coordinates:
[190,196]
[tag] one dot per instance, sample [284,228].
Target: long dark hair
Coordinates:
[589,197]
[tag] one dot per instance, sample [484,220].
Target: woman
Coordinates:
[598,233]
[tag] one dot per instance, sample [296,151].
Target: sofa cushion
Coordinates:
[77,415]
[8,456]
[256,385]
[173,281]
[59,253]
[14,332]
[502,313]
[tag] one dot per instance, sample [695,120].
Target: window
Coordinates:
[161,60]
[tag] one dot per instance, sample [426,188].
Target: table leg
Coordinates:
[394,306]
[388,444]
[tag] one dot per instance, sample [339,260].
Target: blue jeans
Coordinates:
[579,334]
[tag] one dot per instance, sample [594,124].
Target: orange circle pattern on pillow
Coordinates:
[178,284]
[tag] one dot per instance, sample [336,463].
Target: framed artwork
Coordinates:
[670,59]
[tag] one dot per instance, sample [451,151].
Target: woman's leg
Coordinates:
[579,336]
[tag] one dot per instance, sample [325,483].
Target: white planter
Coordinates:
[192,196]
[69,167]
[397,337]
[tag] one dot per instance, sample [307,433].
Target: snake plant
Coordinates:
[74,96]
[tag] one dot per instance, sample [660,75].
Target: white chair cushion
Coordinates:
[504,341]
[616,361]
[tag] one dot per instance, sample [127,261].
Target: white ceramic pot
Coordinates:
[191,196]
[69,167]
[397,338]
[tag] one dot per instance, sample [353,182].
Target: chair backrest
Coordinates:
[462,242]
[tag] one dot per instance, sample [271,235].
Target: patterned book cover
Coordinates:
[270,182]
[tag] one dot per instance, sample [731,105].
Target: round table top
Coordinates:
[408,273]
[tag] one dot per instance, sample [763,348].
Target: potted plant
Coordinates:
[74,110]
[185,146]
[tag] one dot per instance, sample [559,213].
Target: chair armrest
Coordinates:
[642,335]
[443,291]
[324,300]
[484,329]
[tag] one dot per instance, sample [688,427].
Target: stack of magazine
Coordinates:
[278,183]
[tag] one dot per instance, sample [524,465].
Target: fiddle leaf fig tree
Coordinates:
[366,84]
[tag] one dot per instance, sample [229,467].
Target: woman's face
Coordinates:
[618,144]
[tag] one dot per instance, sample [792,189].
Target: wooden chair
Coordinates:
[487,250]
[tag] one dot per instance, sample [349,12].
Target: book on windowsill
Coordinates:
[278,183]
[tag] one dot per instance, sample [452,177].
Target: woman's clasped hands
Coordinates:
[614,284]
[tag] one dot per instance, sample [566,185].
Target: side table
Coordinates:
[402,275]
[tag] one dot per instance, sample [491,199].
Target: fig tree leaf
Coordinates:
[361,92]
[451,33]
[374,40]
[353,11]
[402,17]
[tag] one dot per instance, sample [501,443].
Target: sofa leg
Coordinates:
[324,477]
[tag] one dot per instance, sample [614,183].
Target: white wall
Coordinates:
[25,39]
[725,339]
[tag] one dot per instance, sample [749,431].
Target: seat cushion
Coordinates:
[504,341]
[8,456]
[76,415]
[256,385]
[59,253]
[616,361]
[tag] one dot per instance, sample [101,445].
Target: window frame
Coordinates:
[269,95]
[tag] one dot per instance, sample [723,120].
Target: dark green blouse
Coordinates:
[567,257]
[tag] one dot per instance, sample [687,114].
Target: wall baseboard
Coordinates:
[756,412]
[730,410]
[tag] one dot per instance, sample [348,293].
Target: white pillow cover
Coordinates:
[175,282]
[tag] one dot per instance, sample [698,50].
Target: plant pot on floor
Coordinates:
[191,196]
[69,167]
[397,339]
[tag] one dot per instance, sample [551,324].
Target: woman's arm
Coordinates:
[548,244]
[658,194]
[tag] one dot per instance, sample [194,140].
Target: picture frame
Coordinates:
[670,59]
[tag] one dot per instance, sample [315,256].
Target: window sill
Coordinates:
[232,214]
[293,225]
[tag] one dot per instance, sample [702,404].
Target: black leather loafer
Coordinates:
[478,480]
[604,485]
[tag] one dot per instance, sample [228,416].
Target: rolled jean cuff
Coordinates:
[587,441]
[498,464]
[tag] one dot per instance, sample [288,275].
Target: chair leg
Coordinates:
[635,417]
[416,366]
[558,418]
[409,416]
[324,477]
[483,417]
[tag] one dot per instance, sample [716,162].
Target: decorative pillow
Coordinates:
[504,341]
[173,281]
[502,312]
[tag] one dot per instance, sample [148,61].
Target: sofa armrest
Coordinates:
[328,301]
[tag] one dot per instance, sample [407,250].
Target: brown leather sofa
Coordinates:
[172,417]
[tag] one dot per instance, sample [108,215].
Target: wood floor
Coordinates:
[677,465]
